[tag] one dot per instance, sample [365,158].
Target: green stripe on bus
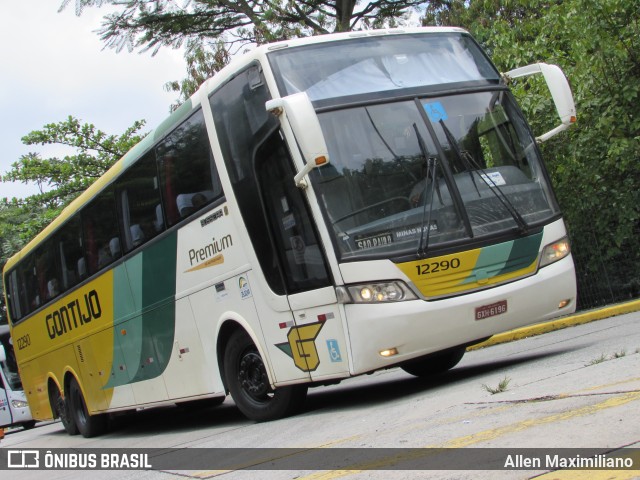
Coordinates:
[144,313]
[523,253]
[505,258]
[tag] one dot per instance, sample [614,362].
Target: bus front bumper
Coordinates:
[416,328]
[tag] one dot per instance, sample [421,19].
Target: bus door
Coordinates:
[297,310]
[315,340]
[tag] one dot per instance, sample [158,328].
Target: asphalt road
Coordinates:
[578,387]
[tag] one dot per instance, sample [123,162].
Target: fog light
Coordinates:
[564,303]
[390,352]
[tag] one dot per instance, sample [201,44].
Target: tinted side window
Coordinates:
[138,198]
[101,235]
[48,272]
[28,285]
[301,257]
[16,308]
[68,244]
[188,176]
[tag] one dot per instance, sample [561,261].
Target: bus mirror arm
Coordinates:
[298,113]
[560,92]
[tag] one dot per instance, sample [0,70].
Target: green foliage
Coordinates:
[154,24]
[214,30]
[59,180]
[202,63]
[502,386]
[595,165]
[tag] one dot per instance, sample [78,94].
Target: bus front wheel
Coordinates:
[434,364]
[88,425]
[248,382]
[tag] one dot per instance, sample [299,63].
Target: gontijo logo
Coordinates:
[73,315]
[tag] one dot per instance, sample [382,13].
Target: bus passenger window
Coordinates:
[47,271]
[139,198]
[188,176]
[101,236]
[69,250]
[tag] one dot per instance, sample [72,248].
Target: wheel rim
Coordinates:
[253,377]
[61,408]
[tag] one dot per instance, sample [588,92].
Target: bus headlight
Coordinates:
[555,251]
[18,404]
[380,292]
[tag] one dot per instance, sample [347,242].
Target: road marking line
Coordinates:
[485,436]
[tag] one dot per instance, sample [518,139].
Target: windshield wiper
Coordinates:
[468,160]
[458,204]
[432,166]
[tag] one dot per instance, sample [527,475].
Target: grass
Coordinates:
[604,358]
[600,359]
[502,386]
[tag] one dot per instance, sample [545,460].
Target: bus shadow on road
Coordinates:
[175,419]
[348,396]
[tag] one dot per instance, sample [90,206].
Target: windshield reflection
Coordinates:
[477,173]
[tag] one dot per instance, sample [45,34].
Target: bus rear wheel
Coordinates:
[62,410]
[432,365]
[88,425]
[248,382]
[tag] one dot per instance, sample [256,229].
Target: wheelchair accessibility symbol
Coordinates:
[334,350]
[436,111]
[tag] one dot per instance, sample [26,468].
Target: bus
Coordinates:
[14,410]
[321,208]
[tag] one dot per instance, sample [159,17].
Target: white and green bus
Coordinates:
[322,208]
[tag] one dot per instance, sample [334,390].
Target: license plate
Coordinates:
[492,310]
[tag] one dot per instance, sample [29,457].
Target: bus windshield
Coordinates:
[423,167]
[366,65]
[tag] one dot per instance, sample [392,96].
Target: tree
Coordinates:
[60,180]
[202,63]
[152,24]
[214,30]
[15,227]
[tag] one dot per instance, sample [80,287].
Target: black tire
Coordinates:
[29,425]
[61,409]
[432,365]
[247,380]
[88,425]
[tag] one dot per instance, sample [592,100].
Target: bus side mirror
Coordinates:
[298,112]
[3,355]
[560,92]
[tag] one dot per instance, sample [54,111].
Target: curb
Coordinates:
[564,322]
